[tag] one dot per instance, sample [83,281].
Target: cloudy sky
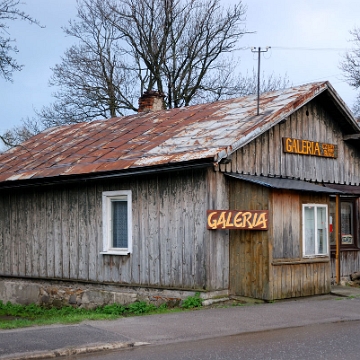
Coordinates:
[307,39]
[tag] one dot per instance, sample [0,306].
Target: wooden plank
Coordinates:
[240,160]
[42,233]
[304,281]
[106,260]
[124,263]
[73,216]
[49,233]
[153,232]
[164,238]
[200,234]
[215,200]
[3,238]
[272,152]
[172,233]
[286,281]
[277,221]
[83,223]
[258,267]
[177,251]
[136,218]
[222,243]
[312,276]
[21,210]
[258,156]
[57,234]
[277,282]
[288,219]
[296,281]
[6,233]
[234,162]
[188,218]
[94,235]
[144,236]
[264,154]
[28,208]
[35,218]
[14,244]
[246,162]
[65,233]
[276,161]
[100,264]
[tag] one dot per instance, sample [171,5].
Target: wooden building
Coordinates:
[211,198]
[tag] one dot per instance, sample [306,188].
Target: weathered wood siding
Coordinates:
[269,264]
[291,274]
[265,156]
[286,219]
[302,279]
[349,263]
[56,232]
[249,249]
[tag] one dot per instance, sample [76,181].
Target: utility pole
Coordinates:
[259,51]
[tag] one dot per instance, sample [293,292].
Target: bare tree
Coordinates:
[178,44]
[179,47]
[351,67]
[93,78]
[182,48]
[127,47]
[19,134]
[9,11]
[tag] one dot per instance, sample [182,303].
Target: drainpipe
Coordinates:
[337,238]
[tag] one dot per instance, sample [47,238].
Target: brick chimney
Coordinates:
[151,101]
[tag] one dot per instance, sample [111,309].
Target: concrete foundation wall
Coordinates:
[60,293]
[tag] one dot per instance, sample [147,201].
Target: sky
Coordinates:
[307,37]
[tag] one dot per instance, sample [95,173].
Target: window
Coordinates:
[348,230]
[315,233]
[117,223]
[346,220]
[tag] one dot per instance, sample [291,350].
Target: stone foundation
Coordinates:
[61,293]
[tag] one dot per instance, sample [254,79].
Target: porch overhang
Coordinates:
[345,189]
[286,184]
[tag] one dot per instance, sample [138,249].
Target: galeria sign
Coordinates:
[236,219]
[308,147]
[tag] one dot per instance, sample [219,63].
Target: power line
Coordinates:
[298,48]
[309,49]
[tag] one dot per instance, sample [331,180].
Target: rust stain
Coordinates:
[146,139]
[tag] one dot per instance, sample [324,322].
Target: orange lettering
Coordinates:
[228,223]
[238,219]
[212,223]
[246,220]
[222,220]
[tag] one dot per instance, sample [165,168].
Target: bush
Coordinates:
[140,307]
[192,302]
[113,309]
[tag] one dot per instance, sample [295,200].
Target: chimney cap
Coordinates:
[153,93]
[151,100]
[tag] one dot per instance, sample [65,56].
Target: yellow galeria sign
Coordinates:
[236,219]
[308,147]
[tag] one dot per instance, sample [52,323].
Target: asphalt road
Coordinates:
[322,341]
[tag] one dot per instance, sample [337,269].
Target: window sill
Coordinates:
[112,252]
[310,260]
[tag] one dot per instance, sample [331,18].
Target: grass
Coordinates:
[14,316]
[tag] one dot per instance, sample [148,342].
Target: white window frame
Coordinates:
[107,198]
[316,254]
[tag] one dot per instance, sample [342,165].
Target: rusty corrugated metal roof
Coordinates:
[203,131]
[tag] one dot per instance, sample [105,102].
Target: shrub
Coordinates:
[192,302]
[140,307]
